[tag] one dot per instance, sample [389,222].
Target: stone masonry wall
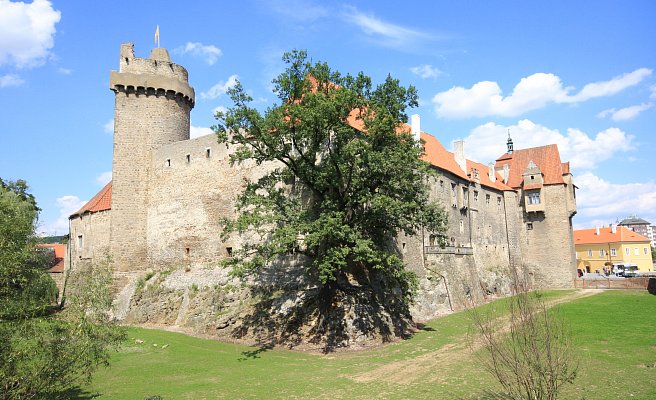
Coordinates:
[194,188]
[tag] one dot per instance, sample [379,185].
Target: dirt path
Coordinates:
[431,367]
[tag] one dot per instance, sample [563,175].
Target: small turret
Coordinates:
[509,143]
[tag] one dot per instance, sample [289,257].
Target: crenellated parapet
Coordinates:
[154,76]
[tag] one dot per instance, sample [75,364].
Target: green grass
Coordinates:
[614,333]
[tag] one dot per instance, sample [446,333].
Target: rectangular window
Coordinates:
[529,226]
[636,251]
[646,251]
[475,196]
[601,252]
[627,251]
[613,252]
[534,197]
[499,201]
[589,253]
[80,241]
[487,199]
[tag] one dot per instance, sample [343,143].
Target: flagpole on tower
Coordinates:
[157,36]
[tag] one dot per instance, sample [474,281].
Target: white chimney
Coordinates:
[506,173]
[597,233]
[459,154]
[491,173]
[415,123]
[613,228]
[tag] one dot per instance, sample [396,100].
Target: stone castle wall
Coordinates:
[193,188]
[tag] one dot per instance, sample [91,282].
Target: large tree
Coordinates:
[345,178]
[44,352]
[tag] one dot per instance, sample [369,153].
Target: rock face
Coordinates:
[280,308]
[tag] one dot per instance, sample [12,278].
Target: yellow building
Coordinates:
[603,247]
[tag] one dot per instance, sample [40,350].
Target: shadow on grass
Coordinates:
[253,354]
[76,393]
[424,327]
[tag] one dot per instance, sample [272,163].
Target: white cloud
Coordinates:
[66,206]
[487,142]
[208,52]
[220,88]
[104,178]
[532,92]
[384,33]
[426,71]
[610,87]
[10,80]
[197,131]
[652,94]
[626,113]
[108,127]
[64,71]
[219,109]
[27,32]
[602,202]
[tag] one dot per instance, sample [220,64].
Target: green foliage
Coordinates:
[341,194]
[44,353]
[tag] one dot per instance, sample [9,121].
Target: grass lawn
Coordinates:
[614,333]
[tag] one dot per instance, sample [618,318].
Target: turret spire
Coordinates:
[509,143]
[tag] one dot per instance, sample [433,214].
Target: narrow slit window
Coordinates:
[188,158]
[187,250]
[208,152]
[168,162]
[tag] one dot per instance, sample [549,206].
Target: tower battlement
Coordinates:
[154,76]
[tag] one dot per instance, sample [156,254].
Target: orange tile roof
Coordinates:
[547,158]
[622,234]
[100,202]
[485,177]
[438,156]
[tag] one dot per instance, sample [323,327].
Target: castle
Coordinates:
[163,207]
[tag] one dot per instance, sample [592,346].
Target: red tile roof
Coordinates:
[622,234]
[100,202]
[547,158]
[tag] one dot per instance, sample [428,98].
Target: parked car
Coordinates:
[625,270]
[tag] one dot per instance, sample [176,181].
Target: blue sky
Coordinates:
[578,74]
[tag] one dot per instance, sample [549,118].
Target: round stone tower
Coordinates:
[152,107]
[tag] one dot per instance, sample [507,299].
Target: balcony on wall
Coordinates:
[448,250]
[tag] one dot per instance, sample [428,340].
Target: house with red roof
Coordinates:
[57,262]
[597,248]
[169,194]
